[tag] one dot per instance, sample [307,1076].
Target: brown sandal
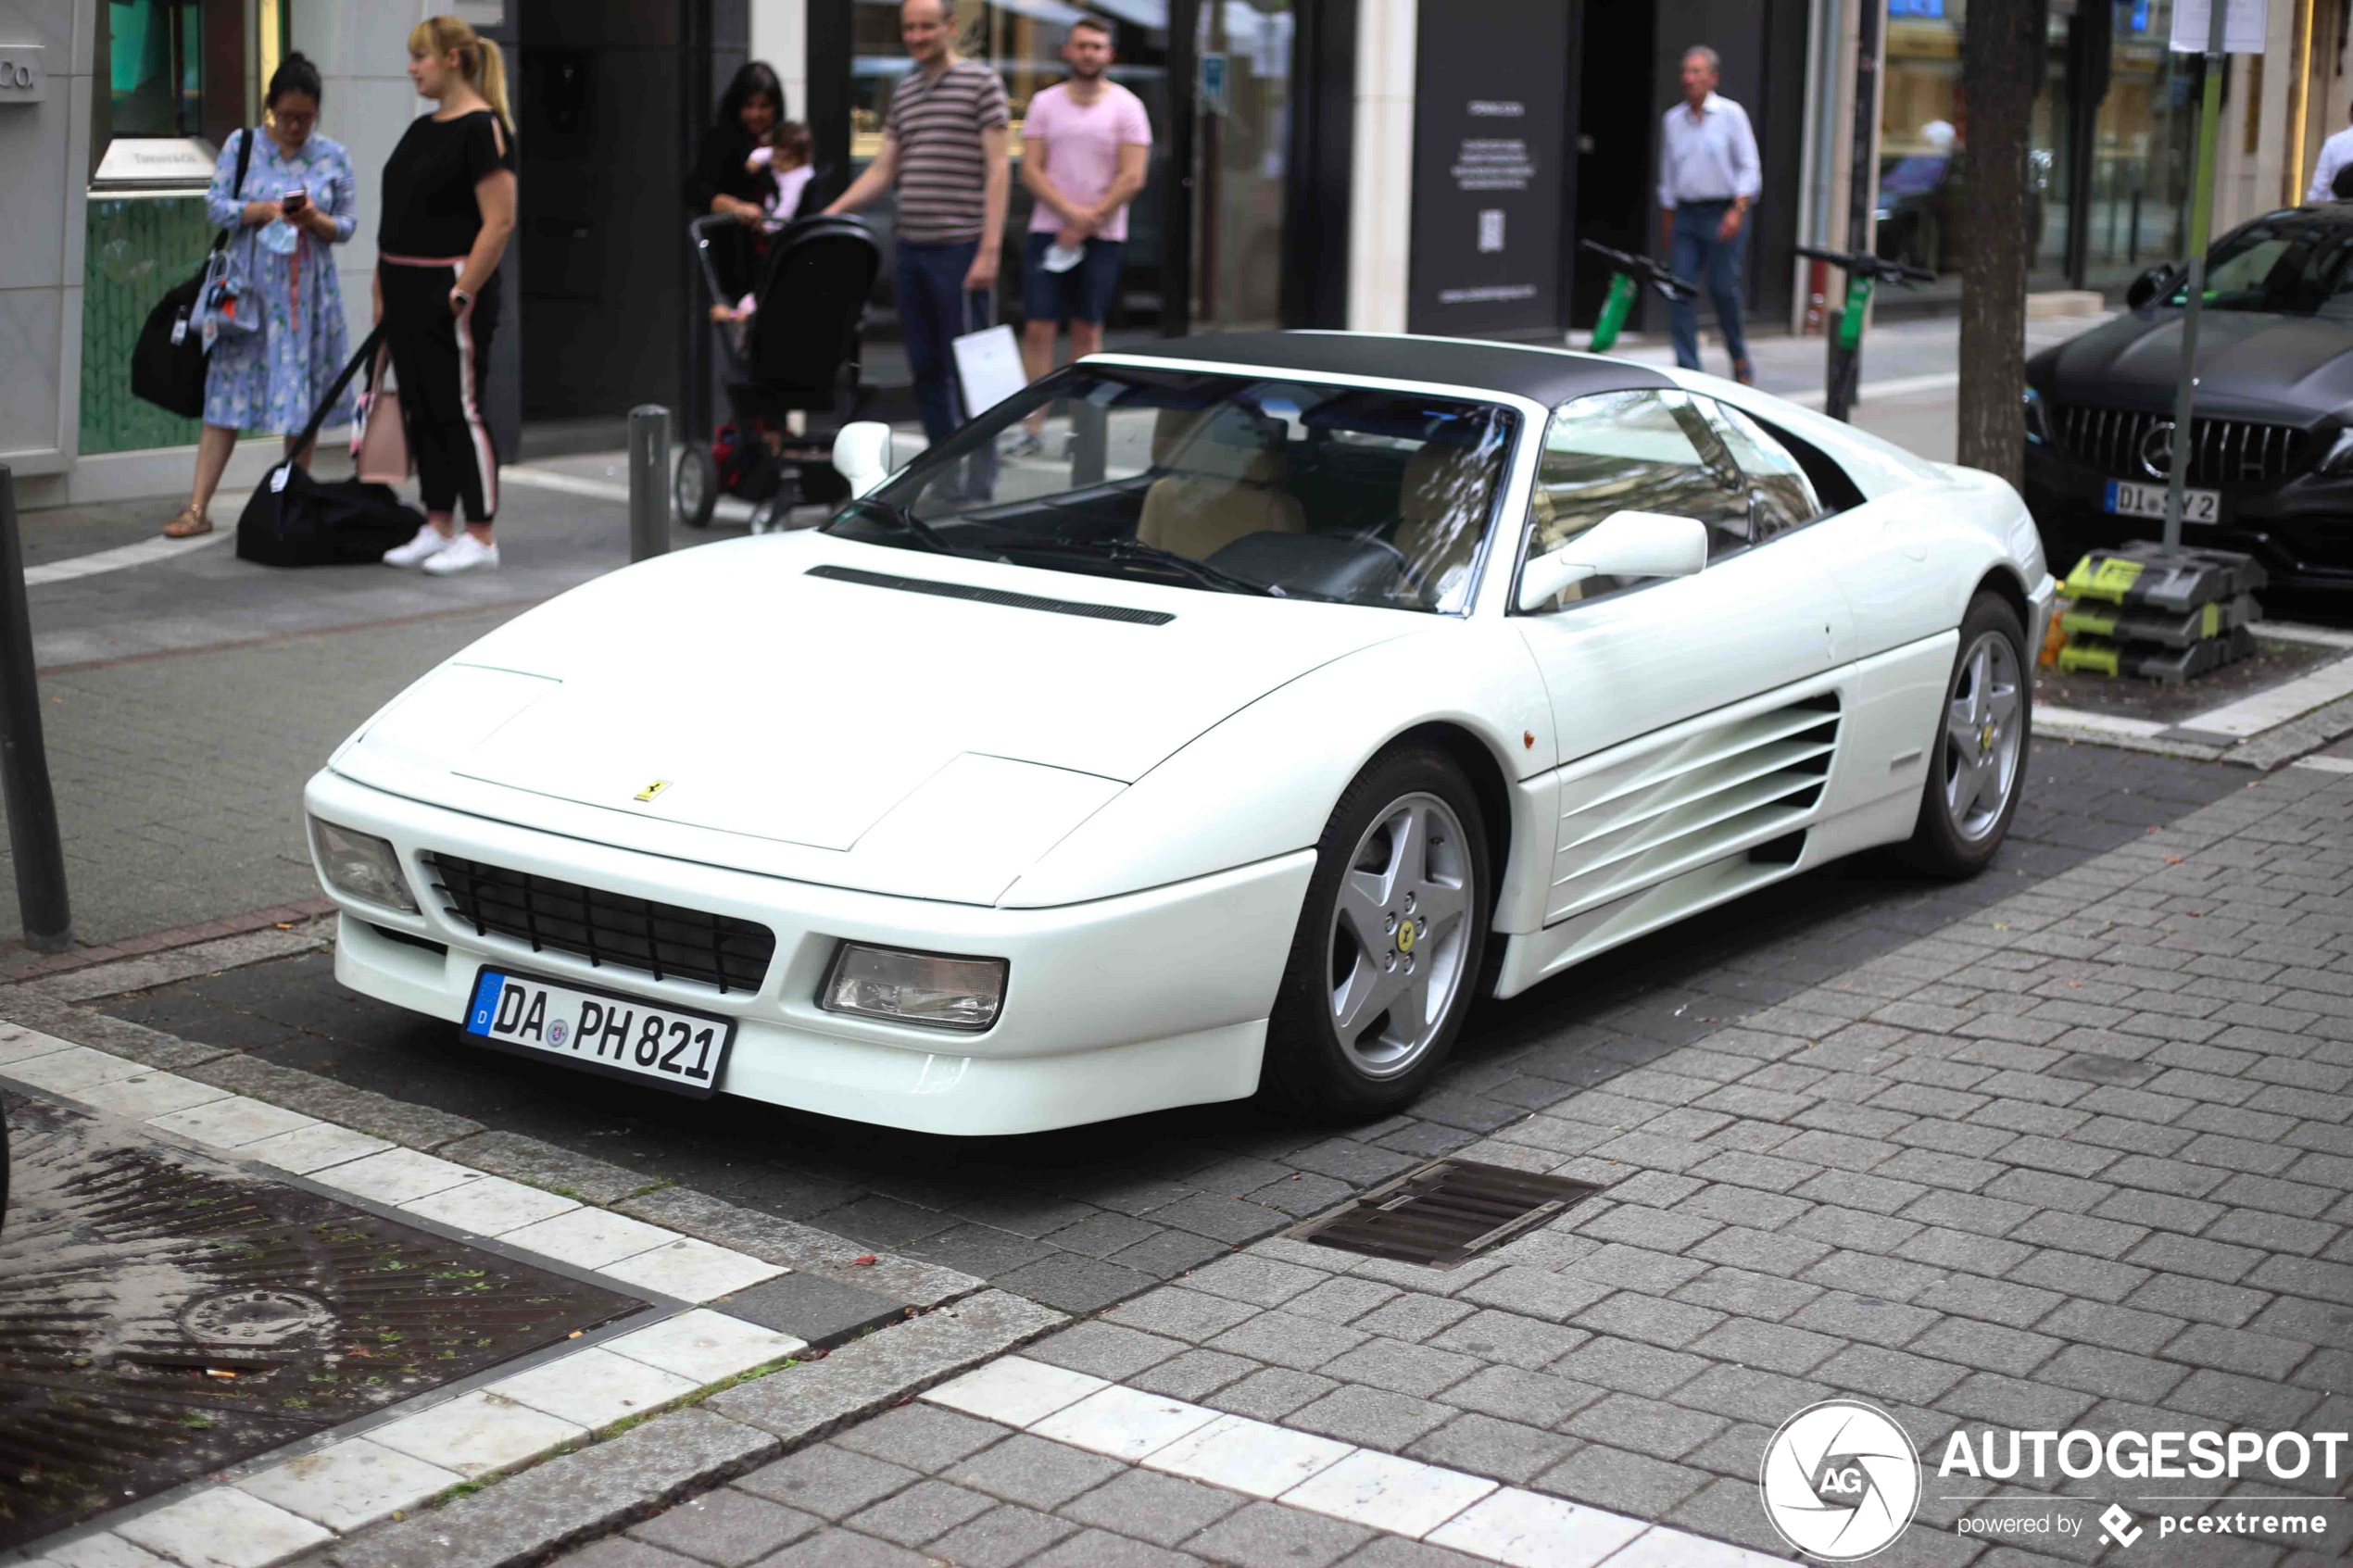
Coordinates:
[187,524]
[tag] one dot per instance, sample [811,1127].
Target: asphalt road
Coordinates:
[1083,1218]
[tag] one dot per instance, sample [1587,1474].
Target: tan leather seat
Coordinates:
[1442,505]
[1219,490]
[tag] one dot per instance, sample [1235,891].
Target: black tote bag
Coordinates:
[168,362]
[294,519]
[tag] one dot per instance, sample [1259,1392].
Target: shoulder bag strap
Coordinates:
[319,415]
[237,191]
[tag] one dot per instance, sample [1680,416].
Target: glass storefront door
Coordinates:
[2143,149]
[1241,141]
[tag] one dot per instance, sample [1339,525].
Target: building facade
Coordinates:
[1384,164]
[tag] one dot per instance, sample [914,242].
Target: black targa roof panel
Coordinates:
[1546,375]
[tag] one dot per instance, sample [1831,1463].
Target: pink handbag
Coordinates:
[378,444]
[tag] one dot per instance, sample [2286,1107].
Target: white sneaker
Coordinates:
[465,553]
[429,543]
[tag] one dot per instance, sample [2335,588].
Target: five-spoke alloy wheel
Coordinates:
[1389,941]
[1979,761]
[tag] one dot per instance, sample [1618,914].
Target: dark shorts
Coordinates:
[1082,293]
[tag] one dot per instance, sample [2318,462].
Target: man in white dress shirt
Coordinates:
[2336,153]
[1708,177]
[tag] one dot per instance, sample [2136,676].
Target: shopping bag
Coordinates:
[989,364]
[379,442]
[168,360]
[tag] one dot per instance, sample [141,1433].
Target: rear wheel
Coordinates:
[693,488]
[1977,767]
[1391,942]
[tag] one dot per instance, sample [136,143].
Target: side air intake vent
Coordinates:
[1694,797]
[996,596]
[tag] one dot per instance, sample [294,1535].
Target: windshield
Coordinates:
[2288,269]
[1211,480]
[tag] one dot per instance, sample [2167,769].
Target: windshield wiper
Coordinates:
[1136,552]
[907,522]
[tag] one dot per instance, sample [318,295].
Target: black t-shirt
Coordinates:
[721,171]
[430,208]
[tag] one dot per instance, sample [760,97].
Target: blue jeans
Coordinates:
[934,309]
[1698,256]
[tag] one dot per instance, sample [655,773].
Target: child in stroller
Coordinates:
[794,349]
[782,155]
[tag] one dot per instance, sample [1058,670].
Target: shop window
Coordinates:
[156,67]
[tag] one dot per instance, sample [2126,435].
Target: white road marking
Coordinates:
[121,557]
[2264,709]
[728,509]
[1900,386]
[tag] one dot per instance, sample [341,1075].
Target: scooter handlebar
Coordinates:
[1878,267]
[1642,267]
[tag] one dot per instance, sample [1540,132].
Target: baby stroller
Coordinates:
[798,352]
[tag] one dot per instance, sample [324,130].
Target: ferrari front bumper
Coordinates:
[1112,1008]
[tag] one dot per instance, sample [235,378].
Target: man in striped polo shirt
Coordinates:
[945,149]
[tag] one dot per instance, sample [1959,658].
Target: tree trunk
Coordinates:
[2001,67]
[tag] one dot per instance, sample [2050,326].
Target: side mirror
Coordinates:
[1621,545]
[2143,288]
[861,455]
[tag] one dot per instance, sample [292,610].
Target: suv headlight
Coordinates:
[2340,455]
[362,866]
[937,990]
[2038,422]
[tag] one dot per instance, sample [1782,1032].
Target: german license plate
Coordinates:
[2128,500]
[601,1032]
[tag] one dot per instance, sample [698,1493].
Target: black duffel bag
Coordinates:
[168,362]
[295,519]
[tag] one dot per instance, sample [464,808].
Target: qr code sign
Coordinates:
[1490,230]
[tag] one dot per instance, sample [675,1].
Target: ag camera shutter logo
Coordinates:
[1840,1481]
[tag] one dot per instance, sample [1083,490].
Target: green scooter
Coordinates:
[1864,272]
[1626,283]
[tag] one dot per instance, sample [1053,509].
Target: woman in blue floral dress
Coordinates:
[299,199]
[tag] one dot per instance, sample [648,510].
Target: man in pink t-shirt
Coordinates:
[1084,146]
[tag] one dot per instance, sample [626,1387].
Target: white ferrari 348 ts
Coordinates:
[1311,686]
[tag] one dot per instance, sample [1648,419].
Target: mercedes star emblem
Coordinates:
[2156,449]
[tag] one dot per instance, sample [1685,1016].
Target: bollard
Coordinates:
[46,912]
[648,481]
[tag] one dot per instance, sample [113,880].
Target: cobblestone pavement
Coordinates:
[1081,1219]
[2076,1159]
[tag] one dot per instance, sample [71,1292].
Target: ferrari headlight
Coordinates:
[2340,457]
[936,990]
[362,866]
[2038,425]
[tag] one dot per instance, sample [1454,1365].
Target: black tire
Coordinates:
[694,487]
[1939,845]
[771,516]
[1309,1067]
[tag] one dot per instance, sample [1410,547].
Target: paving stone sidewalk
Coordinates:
[2079,1160]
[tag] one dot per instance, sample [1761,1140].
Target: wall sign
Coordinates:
[21,79]
[1488,131]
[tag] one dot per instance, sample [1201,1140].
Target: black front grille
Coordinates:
[2224,452]
[663,940]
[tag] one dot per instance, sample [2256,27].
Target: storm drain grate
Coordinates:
[1446,1213]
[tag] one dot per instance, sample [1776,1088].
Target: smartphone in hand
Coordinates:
[293,202]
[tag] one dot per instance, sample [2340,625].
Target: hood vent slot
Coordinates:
[996,596]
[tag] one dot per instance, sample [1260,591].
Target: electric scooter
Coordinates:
[1632,272]
[1864,272]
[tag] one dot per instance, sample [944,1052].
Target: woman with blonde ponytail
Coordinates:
[448,211]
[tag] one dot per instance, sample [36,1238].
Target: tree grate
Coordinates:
[1446,1213]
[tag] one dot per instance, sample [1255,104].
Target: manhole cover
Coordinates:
[1445,1212]
[162,1316]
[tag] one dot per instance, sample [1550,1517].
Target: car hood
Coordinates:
[2251,364]
[938,722]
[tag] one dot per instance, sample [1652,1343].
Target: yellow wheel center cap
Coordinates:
[1406,935]
[1985,738]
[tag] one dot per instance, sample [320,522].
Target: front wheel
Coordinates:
[1391,938]
[1977,767]
[694,489]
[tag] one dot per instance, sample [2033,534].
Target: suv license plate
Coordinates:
[2127,499]
[601,1032]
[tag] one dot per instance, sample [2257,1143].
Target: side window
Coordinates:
[1781,497]
[1633,451]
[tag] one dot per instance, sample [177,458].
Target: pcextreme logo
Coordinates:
[1840,1480]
